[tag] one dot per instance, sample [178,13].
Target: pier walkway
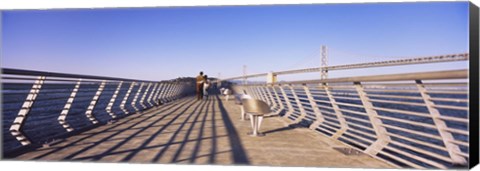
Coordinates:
[405,120]
[201,132]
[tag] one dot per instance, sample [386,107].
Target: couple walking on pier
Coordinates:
[202,86]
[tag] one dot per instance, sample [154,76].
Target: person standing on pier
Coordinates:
[200,80]
[206,85]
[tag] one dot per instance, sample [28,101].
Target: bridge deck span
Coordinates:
[201,132]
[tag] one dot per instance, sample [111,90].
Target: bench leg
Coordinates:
[259,122]
[255,122]
[252,123]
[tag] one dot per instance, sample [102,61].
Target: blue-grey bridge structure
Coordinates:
[411,119]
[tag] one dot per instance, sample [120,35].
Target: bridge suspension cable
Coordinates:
[408,61]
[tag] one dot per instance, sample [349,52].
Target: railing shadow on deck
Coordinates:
[120,123]
[193,113]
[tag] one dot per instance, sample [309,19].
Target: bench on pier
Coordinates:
[226,92]
[256,110]
[239,101]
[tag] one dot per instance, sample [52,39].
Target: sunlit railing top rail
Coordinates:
[415,120]
[39,106]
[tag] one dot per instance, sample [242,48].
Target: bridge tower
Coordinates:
[324,64]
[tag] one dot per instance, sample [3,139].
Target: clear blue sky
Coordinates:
[165,43]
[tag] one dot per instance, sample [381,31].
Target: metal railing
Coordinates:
[39,106]
[417,120]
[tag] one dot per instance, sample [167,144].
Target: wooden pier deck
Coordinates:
[201,132]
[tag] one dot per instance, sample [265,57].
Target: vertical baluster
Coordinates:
[299,104]
[318,114]
[262,94]
[173,91]
[157,95]
[112,100]
[382,137]
[122,105]
[257,94]
[134,101]
[270,96]
[453,149]
[142,100]
[338,113]
[181,90]
[164,93]
[265,95]
[62,119]
[278,100]
[287,101]
[17,126]
[178,90]
[150,97]
[89,112]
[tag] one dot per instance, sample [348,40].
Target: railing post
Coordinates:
[17,127]
[261,90]
[173,93]
[262,94]
[166,93]
[382,137]
[142,100]
[338,113]
[251,92]
[162,91]
[164,96]
[268,96]
[453,149]
[278,99]
[63,115]
[157,93]
[274,105]
[259,95]
[122,105]
[176,92]
[112,100]
[89,112]
[299,104]
[136,97]
[181,90]
[318,115]
[287,101]
[150,96]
